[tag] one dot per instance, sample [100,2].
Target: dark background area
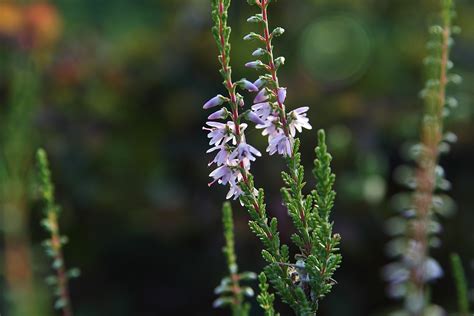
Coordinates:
[121,117]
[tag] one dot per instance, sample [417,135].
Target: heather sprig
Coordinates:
[228,139]
[55,242]
[279,126]
[234,164]
[231,292]
[302,284]
[310,214]
[264,298]
[417,229]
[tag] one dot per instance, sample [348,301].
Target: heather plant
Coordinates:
[416,230]
[55,242]
[303,283]
[230,290]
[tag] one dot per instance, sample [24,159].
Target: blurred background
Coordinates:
[115,96]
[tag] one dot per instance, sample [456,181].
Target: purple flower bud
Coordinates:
[281,95]
[253,64]
[261,97]
[215,101]
[259,83]
[247,85]
[218,115]
[255,119]
[259,52]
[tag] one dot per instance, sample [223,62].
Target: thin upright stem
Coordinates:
[62,278]
[426,173]
[283,116]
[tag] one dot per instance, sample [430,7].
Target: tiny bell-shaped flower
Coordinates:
[223,175]
[279,61]
[252,36]
[253,117]
[221,114]
[245,151]
[280,144]
[299,120]
[221,157]
[257,18]
[259,52]
[259,83]
[278,32]
[215,101]
[254,64]
[247,85]
[281,95]
[263,110]
[261,96]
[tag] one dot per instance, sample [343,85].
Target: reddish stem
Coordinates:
[235,109]
[282,111]
[426,173]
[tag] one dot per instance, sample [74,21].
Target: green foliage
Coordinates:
[461,285]
[319,257]
[54,244]
[230,292]
[325,258]
[264,298]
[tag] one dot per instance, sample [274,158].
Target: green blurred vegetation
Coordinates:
[119,112]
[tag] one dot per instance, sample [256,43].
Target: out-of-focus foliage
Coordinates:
[120,115]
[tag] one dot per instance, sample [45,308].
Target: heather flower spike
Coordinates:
[409,277]
[234,155]
[55,243]
[317,256]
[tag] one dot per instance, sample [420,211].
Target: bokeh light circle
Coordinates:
[335,48]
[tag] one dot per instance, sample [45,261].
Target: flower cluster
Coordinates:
[318,256]
[280,127]
[280,135]
[234,154]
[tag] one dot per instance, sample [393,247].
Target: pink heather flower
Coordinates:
[281,144]
[222,175]
[255,118]
[270,127]
[247,85]
[298,120]
[263,110]
[218,115]
[253,64]
[261,96]
[245,151]
[259,52]
[235,191]
[220,133]
[281,95]
[259,83]
[221,157]
[215,101]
